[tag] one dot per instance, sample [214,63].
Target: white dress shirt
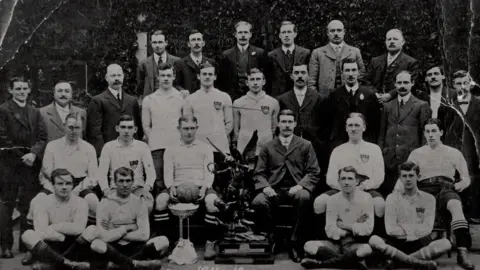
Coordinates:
[21,104]
[337,47]
[352,90]
[157,57]
[62,111]
[243,48]
[196,60]
[464,107]
[404,98]
[285,140]
[115,92]
[285,49]
[300,94]
[391,58]
[435,101]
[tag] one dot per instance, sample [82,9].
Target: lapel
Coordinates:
[344,96]
[396,63]
[294,144]
[16,116]
[298,52]
[112,99]
[151,63]
[329,52]
[472,106]
[233,54]
[280,57]
[188,59]
[292,99]
[278,146]
[307,99]
[346,51]
[54,117]
[407,108]
[125,101]
[251,52]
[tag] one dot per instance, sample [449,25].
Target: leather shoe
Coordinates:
[7,254]
[462,259]
[28,258]
[294,255]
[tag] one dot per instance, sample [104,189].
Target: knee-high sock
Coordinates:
[161,223]
[147,252]
[42,250]
[320,226]
[379,226]
[118,258]
[462,233]
[346,260]
[432,251]
[396,254]
[212,227]
[324,253]
[80,246]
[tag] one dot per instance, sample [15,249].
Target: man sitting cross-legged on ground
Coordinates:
[409,218]
[123,229]
[58,222]
[367,159]
[349,223]
[438,164]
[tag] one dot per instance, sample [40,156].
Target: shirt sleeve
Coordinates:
[228,115]
[147,161]
[332,172]
[276,110]
[104,167]
[331,228]
[168,167]
[47,163]
[391,225]
[40,218]
[378,170]
[103,219]
[364,226]
[92,172]
[208,176]
[146,119]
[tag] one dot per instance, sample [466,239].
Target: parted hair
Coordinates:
[15,79]
[75,115]
[348,169]
[409,166]
[434,121]
[59,172]
[122,171]
[126,117]
[349,61]
[187,118]
[286,112]
[165,66]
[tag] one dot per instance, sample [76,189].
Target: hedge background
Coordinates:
[54,39]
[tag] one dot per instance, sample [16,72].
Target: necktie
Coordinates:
[401,103]
[197,62]
[159,60]
[289,54]
[118,96]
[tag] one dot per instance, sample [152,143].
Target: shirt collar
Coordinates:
[353,88]
[170,93]
[460,99]
[240,47]
[77,146]
[405,98]
[256,97]
[163,57]
[114,92]
[196,59]
[393,57]
[337,45]
[118,144]
[300,91]
[19,103]
[62,109]
[182,143]
[292,48]
[288,139]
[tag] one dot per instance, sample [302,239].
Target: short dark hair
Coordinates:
[409,166]
[460,74]
[434,121]
[348,169]
[75,115]
[59,172]
[207,65]
[289,23]
[122,171]
[255,70]
[165,66]
[193,32]
[158,33]
[286,112]
[13,80]
[299,65]
[349,61]
[434,65]
[187,118]
[126,117]
[357,114]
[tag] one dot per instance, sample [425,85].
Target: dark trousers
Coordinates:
[266,208]
[19,184]
[391,177]
[157,156]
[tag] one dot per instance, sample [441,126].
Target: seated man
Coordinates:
[438,164]
[188,161]
[349,223]
[122,234]
[366,158]
[409,218]
[78,157]
[128,152]
[287,171]
[58,222]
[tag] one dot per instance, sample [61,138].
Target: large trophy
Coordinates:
[240,245]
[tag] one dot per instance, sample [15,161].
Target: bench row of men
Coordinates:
[295,163]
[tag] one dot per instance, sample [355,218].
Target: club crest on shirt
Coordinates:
[217,105]
[265,109]
[364,158]
[420,212]
[133,164]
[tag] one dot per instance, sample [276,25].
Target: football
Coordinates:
[188,192]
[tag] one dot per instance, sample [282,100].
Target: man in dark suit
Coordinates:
[286,172]
[188,67]
[349,98]
[54,114]
[325,62]
[383,69]
[237,61]
[312,124]
[401,128]
[105,110]
[281,60]
[147,73]
[22,142]
[464,135]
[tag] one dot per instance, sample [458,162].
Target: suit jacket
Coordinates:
[382,78]
[227,75]
[401,134]
[341,104]
[22,135]
[445,113]
[278,77]
[464,133]
[299,160]
[53,123]
[322,67]
[104,111]
[146,73]
[187,71]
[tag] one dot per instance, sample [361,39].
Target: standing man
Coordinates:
[384,69]
[352,97]
[237,61]
[409,218]
[54,114]
[188,67]
[281,60]
[349,223]
[325,62]
[147,71]
[311,122]
[464,135]
[401,128]
[254,111]
[125,151]
[287,172]
[22,142]
[105,110]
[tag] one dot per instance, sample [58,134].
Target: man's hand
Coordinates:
[269,192]
[384,98]
[52,235]
[294,190]
[201,195]
[173,194]
[459,187]
[361,187]
[229,158]
[28,159]
[184,93]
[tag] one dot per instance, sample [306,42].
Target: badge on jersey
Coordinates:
[265,109]
[217,105]
[133,164]
[420,212]
[364,158]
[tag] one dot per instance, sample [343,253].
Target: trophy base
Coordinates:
[244,252]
